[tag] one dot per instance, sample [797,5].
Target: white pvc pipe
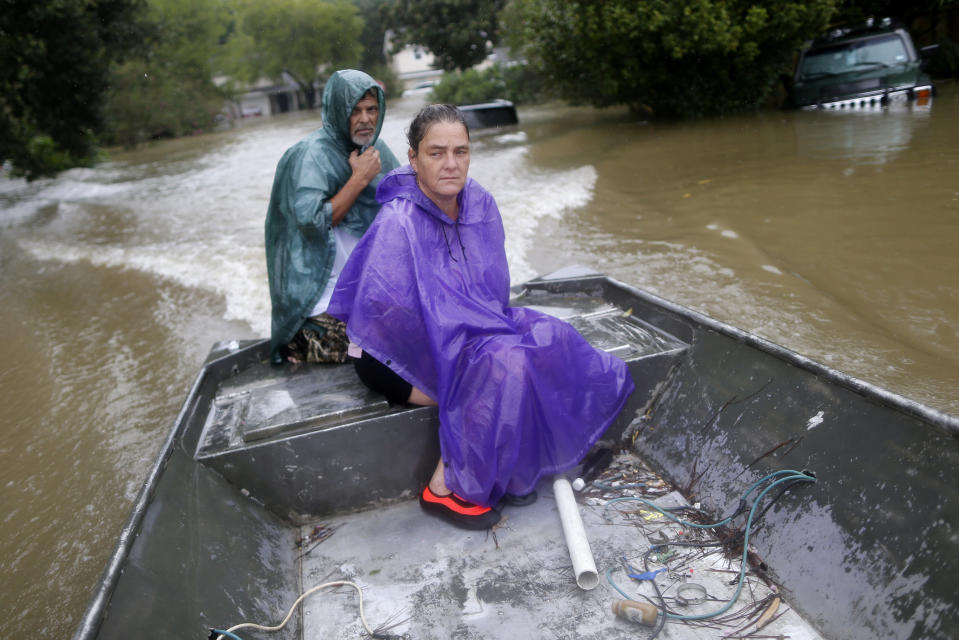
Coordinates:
[579,552]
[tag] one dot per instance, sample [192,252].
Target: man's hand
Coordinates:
[365,166]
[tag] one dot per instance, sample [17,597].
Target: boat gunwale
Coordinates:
[95,612]
[940,419]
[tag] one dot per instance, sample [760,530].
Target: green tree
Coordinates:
[458,33]
[907,11]
[517,83]
[170,90]
[55,62]
[306,39]
[688,58]
[373,39]
[374,13]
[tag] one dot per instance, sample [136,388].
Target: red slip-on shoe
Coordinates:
[458,511]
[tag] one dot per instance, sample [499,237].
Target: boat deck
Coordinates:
[422,578]
[317,460]
[261,457]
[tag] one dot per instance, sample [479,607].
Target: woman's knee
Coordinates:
[420,398]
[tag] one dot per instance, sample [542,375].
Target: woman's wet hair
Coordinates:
[427,117]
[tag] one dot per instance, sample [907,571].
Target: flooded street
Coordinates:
[833,234]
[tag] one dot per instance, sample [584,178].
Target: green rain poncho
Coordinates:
[299,240]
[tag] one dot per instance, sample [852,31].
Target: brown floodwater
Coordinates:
[833,234]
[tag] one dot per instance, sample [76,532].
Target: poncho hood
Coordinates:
[342,91]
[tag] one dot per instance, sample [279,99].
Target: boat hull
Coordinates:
[869,550]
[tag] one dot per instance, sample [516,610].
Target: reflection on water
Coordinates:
[832,233]
[866,136]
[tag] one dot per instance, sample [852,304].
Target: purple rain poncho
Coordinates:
[521,394]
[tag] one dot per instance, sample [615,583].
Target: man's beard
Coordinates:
[362,140]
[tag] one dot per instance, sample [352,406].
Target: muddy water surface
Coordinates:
[833,234]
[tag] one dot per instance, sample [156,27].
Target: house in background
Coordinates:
[265,97]
[413,66]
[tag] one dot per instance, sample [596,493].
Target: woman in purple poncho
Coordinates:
[425,296]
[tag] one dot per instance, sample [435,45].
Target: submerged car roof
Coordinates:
[850,33]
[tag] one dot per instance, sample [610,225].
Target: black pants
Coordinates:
[380,378]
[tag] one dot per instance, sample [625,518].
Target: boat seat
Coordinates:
[266,402]
[340,447]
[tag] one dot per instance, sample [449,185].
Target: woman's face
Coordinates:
[442,161]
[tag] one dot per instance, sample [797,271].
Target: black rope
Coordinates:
[462,248]
[449,249]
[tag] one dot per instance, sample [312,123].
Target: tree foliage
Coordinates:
[373,59]
[55,61]
[77,72]
[906,11]
[688,58]
[169,91]
[374,14]
[306,39]
[458,33]
[517,83]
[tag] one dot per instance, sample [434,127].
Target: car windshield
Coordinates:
[884,51]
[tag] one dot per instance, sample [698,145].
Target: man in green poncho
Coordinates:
[323,200]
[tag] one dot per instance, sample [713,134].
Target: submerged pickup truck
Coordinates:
[870,65]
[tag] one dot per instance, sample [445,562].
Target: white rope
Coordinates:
[339,583]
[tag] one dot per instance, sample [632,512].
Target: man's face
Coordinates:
[363,120]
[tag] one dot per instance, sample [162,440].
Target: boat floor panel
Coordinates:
[286,400]
[424,579]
